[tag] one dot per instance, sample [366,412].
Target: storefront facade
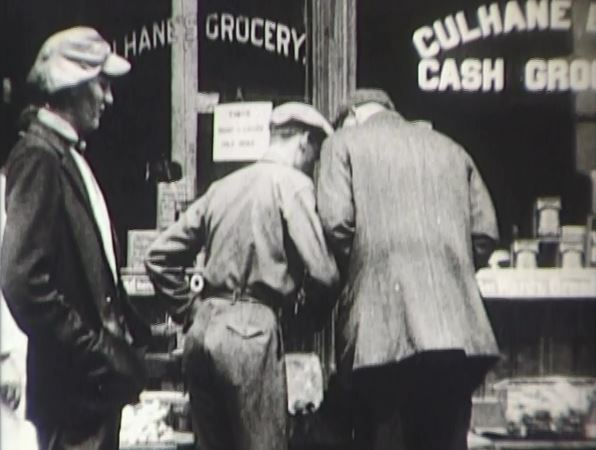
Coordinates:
[513,81]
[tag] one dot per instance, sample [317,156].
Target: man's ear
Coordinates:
[356,114]
[304,136]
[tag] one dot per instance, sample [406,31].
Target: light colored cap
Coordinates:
[301,113]
[73,56]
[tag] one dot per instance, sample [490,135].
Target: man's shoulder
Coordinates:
[259,173]
[291,175]
[424,132]
[347,134]
[278,171]
[285,178]
[246,175]
[381,122]
[33,148]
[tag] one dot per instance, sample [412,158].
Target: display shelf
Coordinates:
[137,285]
[541,283]
[543,321]
[151,446]
[183,440]
[526,444]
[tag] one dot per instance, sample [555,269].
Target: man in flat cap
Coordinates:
[260,233]
[58,266]
[408,218]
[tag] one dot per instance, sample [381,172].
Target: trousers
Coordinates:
[235,373]
[99,434]
[421,403]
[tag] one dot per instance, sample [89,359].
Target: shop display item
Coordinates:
[591,241]
[305,382]
[488,417]
[499,258]
[546,216]
[571,247]
[525,252]
[547,407]
[154,419]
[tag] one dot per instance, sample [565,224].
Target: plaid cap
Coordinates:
[301,113]
[361,96]
[73,56]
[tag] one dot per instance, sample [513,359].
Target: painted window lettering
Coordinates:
[437,44]
[272,36]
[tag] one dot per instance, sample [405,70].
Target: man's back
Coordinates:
[244,229]
[260,235]
[415,182]
[417,200]
[259,231]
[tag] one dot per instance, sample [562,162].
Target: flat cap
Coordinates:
[302,113]
[364,95]
[73,56]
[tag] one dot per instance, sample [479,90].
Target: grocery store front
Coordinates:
[513,81]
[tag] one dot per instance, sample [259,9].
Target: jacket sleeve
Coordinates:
[335,198]
[305,230]
[320,286]
[484,227]
[29,255]
[173,251]
[482,211]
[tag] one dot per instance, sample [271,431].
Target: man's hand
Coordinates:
[314,304]
[483,247]
[11,383]
[10,394]
[118,369]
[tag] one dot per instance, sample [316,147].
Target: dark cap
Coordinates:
[362,96]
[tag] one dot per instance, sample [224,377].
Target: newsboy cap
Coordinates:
[287,113]
[361,96]
[73,56]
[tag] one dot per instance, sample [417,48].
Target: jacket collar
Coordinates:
[56,123]
[40,131]
[56,131]
[62,141]
[381,115]
[49,128]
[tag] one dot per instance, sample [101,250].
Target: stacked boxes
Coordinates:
[571,246]
[553,244]
[546,217]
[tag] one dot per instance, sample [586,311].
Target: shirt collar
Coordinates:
[53,121]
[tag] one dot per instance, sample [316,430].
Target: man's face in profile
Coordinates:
[90,101]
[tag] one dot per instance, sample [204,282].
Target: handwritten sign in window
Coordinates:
[241,131]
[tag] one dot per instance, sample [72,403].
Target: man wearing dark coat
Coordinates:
[407,214]
[58,267]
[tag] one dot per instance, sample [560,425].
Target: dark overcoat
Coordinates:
[57,282]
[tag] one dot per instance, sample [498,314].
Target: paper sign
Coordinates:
[170,199]
[138,244]
[241,131]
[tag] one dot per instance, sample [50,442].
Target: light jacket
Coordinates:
[400,204]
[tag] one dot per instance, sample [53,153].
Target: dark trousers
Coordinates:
[103,434]
[235,374]
[422,403]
